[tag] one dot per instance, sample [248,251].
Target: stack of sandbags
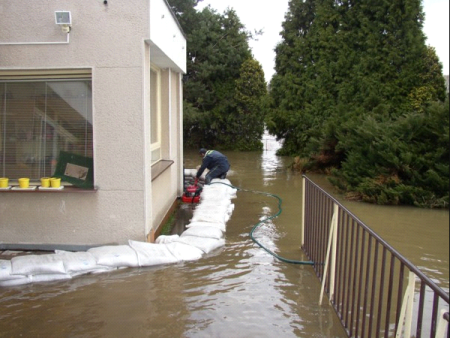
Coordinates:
[64,265]
[81,263]
[163,239]
[208,224]
[158,254]
[204,234]
[9,279]
[33,268]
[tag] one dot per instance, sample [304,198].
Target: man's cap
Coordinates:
[203,151]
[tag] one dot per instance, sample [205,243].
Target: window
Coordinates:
[155,114]
[40,116]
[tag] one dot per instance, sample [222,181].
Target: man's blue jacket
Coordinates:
[214,159]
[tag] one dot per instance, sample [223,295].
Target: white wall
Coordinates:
[109,39]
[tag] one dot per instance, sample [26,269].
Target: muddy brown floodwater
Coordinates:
[238,291]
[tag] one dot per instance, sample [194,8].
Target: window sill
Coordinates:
[160,167]
[67,189]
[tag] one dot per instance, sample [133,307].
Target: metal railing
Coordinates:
[375,291]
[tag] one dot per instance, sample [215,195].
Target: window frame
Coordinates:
[44,77]
[156,146]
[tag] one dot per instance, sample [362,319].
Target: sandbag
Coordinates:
[5,271]
[212,214]
[216,188]
[209,217]
[78,263]
[225,185]
[204,232]
[205,244]
[211,209]
[193,173]
[221,226]
[50,278]
[230,209]
[152,254]
[221,203]
[115,256]
[190,172]
[37,265]
[214,195]
[166,239]
[22,280]
[99,270]
[184,252]
[225,181]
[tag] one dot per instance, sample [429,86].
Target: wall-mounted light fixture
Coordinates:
[64,19]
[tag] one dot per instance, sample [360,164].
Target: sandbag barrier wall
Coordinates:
[204,234]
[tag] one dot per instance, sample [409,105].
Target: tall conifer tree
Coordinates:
[217,47]
[251,97]
[344,64]
[289,87]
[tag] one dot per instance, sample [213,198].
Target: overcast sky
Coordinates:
[263,14]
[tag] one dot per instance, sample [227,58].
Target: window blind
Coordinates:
[38,74]
[41,114]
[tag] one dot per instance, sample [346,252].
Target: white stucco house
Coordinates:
[90,91]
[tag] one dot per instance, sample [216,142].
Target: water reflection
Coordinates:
[270,162]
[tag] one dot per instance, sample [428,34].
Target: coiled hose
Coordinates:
[280,210]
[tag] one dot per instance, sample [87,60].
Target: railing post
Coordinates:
[331,251]
[406,313]
[303,211]
[442,325]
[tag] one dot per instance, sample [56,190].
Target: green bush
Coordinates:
[401,161]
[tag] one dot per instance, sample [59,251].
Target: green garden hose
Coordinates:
[280,210]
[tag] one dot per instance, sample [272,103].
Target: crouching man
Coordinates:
[215,162]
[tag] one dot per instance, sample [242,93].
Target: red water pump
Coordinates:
[192,194]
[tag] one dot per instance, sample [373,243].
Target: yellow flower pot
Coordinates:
[55,182]
[45,182]
[24,183]
[4,182]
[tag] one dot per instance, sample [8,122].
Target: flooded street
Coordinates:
[238,291]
